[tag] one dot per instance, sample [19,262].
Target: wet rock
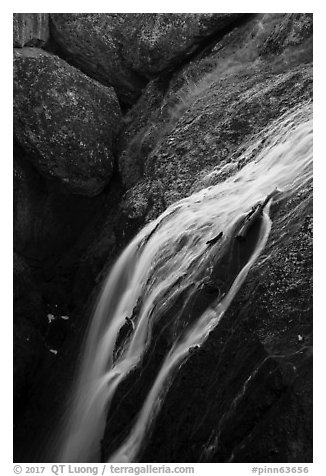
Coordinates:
[292,30]
[223,115]
[258,376]
[64,120]
[163,40]
[124,50]
[207,109]
[31,29]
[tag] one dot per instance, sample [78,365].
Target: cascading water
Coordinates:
[170,258]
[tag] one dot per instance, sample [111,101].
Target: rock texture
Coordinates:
[291,31]
[31,29]
[206,111]
[229,110]
[125,50]
[64,120]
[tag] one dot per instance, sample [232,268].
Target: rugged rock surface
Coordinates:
[65,121]
[31,29]
[125,50]
[231,94]
[291,31]
[230,110]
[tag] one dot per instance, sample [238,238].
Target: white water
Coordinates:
[158,267]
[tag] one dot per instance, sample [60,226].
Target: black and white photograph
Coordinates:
[162,241]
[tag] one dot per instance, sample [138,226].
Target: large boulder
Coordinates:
[31,29]
[64,120]
[124,50]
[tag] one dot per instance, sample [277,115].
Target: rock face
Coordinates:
[65,121]
[228,110]
[31,29]
[291,31]
[125,50]
[206,112]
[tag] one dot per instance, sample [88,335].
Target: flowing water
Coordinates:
[170,257]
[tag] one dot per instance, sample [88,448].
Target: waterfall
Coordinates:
[213,236]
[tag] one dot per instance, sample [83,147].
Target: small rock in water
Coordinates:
[50,318]
[193,349]
[300,338]
[53,351]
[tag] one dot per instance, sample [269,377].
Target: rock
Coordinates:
[164,40]
[227,73]
[124,50]
[256,387]
[65,121]
[214,97]
[291,31]
[31,29]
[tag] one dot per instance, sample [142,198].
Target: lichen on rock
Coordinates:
[64,120]
[125,50]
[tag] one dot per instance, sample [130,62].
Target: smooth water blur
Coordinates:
[163,260]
